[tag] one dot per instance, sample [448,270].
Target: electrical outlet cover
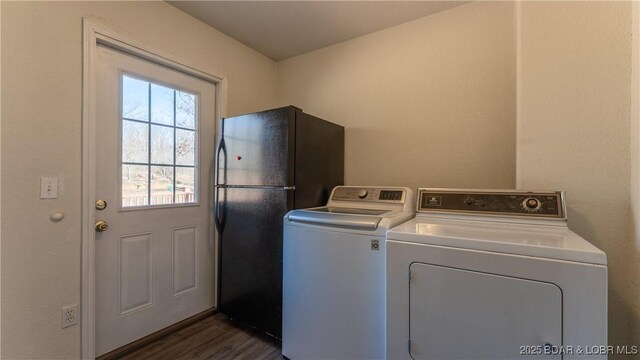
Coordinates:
[70,316]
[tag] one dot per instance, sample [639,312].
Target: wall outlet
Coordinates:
[70,316]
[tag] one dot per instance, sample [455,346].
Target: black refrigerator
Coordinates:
[269,162]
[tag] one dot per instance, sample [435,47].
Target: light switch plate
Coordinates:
[48,188]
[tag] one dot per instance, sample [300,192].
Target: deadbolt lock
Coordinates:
[101,204]
[101,226]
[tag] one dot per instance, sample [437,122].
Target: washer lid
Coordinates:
[552,242]
[352,211]
[344,218]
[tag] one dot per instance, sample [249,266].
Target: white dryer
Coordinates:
[493,275]
[334,273]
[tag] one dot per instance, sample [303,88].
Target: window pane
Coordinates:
[135,98]
[185,110]
[134,185]
[135,142]
[159,128]
[185,147]
[185,185]
[161,185]
[161,145]
[161,104]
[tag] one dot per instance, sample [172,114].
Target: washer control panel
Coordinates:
[347,193]
[493,202]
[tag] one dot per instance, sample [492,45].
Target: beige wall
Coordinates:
[574,116]
[41,135]
[426,103]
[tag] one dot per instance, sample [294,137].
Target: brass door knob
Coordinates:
[101,226]
[101,204]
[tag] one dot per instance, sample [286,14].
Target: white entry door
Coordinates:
[155,131]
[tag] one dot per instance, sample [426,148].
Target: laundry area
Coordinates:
[320,180]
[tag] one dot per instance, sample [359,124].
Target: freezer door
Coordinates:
[251,256]
[259,148]
[319,160]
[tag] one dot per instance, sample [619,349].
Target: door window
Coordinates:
[159,144]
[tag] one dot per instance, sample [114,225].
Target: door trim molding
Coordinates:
[97,33]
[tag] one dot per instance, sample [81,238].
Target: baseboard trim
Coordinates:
[131,347]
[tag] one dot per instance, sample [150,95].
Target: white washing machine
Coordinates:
[493,275]
[334,273]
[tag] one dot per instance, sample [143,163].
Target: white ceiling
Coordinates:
[282,29]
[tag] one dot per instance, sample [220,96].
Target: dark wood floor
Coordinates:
[214,337]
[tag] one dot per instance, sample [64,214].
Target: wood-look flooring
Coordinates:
[214,337]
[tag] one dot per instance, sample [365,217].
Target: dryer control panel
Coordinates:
[493,202]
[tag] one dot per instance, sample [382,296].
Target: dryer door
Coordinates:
[460,314]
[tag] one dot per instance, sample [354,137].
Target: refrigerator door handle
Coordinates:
[222,165]
[219,220]
[221,153]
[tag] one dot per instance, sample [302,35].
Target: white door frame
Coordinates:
[94,33]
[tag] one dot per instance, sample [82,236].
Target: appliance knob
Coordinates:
[363,194]
[531,204]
